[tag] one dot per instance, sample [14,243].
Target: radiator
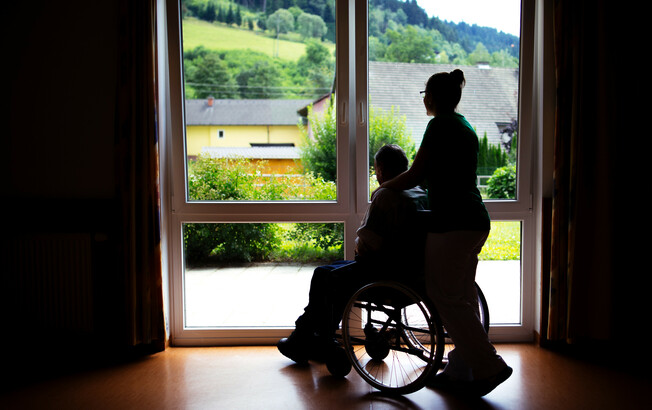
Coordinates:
[47,280]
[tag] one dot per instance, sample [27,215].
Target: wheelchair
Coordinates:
[393,337]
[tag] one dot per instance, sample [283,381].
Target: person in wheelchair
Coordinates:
[389,245]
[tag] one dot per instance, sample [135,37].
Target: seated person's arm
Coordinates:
[379,218]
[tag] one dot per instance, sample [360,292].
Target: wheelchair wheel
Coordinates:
[386,352]
[483,308]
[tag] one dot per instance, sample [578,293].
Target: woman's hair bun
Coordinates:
[458,77]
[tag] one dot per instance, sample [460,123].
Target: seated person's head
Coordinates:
[389,162]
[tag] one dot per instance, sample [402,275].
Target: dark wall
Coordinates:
[57,163]
[60,76]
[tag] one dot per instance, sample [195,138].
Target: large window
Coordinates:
[275,117]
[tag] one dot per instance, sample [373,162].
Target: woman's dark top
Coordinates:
[451,145]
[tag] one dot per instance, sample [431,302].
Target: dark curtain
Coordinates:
[137,176]
[585,281]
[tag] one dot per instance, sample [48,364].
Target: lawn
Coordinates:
[217,36]
[504,242]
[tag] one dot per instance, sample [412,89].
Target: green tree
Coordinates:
[409,46]
[315,69]
[490,157]
[319,153]
[210,76]
[281,21]
[480,54]
[388,127]
[262,80]
[310,25]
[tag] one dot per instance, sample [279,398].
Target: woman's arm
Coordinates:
[413,176]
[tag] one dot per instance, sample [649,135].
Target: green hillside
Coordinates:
[220,37]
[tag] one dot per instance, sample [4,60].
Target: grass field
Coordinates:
[504,242]
[220,37]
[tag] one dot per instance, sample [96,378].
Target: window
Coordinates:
[405,46]
[271,116]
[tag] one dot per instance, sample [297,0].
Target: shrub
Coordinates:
[502,184]
[229,242]
[233,179]
[319,154]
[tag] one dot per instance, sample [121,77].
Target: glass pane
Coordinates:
[414,40]
[258,81]
[499,272]
[253,274]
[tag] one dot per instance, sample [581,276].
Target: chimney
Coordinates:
[210,101]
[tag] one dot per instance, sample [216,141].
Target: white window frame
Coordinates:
[352,192]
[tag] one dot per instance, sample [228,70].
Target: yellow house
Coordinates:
[260,130]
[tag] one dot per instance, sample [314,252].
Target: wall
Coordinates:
[198,136]
[56,160]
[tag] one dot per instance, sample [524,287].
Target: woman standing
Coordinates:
[458,228]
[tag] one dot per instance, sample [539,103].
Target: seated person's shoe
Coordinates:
[485,386]
[296,347]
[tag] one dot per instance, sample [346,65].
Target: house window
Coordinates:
[220,134]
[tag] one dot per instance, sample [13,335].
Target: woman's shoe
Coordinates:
[485,386]
[442,381]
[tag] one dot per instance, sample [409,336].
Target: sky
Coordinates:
[503,15]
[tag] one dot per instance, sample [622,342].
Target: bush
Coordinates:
[319,154]
[230,242]
[233,179]
[502,184]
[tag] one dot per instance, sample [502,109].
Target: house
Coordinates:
[264,130]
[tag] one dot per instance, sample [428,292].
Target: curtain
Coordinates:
[581,279]
[137,176]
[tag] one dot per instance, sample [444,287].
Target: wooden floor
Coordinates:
[261,378]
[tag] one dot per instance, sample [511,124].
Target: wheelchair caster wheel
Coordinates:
[338,363]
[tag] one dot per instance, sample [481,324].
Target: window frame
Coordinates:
[352,191]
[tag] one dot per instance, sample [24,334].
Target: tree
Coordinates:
[490,157]
[211,77]
[480,55]
[281,21]
[409,46]
[316,68]
[319,154]
[259,81]
[310,25]
[388,127]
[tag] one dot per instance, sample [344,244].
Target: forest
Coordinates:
[399,31]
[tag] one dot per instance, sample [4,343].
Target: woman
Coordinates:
[458,227]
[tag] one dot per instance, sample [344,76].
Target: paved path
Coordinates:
[273,294]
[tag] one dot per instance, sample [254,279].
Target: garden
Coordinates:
[237,179]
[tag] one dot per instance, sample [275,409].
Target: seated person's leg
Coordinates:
[304,343]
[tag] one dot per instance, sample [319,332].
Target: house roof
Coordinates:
[244,112]
[252,152]
[490,95]
[489,98]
